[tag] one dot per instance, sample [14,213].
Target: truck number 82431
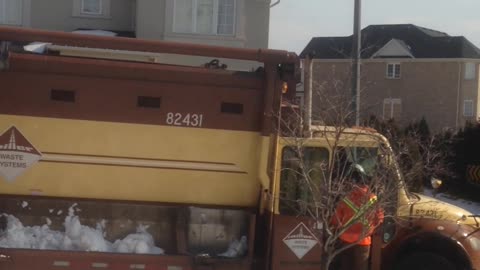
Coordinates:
[189,119]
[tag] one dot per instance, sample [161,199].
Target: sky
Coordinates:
[294,22]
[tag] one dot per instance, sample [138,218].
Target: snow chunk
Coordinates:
[140,243]
[24,204]
[236,248]
[36,47]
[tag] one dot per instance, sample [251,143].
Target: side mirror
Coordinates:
[436,183]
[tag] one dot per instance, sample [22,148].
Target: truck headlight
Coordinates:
[474,243]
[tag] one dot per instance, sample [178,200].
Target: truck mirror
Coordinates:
[436,183]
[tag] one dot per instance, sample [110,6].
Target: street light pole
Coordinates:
[356,56]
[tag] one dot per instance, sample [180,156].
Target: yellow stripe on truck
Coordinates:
[104,160]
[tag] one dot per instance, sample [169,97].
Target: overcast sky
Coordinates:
[294,22]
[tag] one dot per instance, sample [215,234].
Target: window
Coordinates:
[468,108]
[367,157]
[294,190]
[392,108]
[93,7]
[393,71]
[212,17]
[11,12]
[470,71]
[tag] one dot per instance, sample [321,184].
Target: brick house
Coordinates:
[407,72]
[234,23]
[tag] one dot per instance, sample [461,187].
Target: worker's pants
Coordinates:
[355,258]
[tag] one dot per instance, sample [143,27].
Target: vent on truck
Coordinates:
[148,102]
[233,108]
[62,95]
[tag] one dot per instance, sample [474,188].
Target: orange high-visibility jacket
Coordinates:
[358,208]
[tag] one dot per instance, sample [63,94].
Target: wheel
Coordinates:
[424,261]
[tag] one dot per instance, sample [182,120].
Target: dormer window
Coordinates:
[393,70]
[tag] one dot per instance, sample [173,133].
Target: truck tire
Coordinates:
[424,261]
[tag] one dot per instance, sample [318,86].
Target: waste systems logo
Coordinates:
[17,154]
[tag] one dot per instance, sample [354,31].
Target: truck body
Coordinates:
[192,155]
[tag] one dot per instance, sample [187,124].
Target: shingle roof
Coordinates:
[423,43]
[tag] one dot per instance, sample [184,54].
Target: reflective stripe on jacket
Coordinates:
[358,211]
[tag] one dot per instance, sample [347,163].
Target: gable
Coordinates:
[394,48]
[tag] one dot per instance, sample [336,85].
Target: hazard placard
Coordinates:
[300,240]
[17,154]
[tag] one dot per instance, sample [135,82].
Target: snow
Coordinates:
[77,237]
[95,33]
[36,47]
[24,204]
[236,248]
[473,207]
[41,47]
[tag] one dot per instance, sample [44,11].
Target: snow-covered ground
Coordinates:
[473,207]
[76,237]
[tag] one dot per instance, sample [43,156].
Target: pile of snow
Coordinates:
[473,207]
[236,248]
[77,237]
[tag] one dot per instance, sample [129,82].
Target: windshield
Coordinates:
[366,157]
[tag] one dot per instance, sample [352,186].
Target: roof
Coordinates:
[421,42]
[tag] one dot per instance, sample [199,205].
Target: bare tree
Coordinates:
[315,179]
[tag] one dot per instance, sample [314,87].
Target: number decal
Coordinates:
[169,118]
[178,118]
[186,120]
[194,120]
[429,212]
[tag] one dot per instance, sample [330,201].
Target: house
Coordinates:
[234,23]
[407,72]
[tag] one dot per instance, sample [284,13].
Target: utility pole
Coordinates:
[307,83]
[356,56]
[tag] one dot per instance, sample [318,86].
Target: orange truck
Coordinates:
[109,160]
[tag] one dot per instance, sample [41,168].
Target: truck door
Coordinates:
[296,235]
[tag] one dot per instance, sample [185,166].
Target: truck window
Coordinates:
[302,171]
[345,157]
[377,167]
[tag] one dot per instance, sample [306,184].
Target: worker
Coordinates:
[359,214]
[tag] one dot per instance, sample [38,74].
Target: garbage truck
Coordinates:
[113,159]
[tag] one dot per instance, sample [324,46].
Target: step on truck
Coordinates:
[111,159]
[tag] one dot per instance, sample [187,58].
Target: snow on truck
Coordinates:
[111,161]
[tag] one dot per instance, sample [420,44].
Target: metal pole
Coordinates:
[307,80]
[356,56]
